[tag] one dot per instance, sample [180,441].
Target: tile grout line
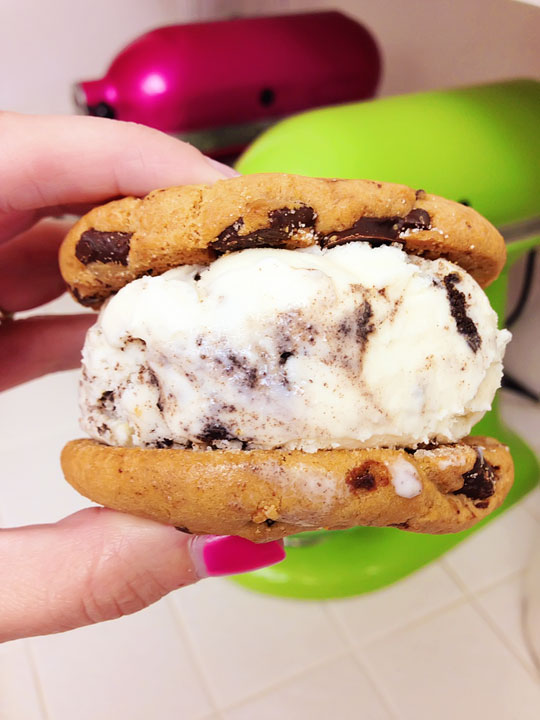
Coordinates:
[413,622]
[416,622]
[473,599]
[524,504]
[531,650]
[358,658]
[297,674]
[29,651]
[181,626]
[532,514]
[465,589]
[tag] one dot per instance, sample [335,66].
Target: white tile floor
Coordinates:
[495,553]
[247,645]
[452,665]
[501,606]
[312,694]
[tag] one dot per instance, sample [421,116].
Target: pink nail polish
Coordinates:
[215,555]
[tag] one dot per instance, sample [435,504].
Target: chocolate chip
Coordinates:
[458,309]
[284,357]
[483,504]
[417,219]
[183,529]
[229,240]
[420,194]
[288,220]
[105,247]
[379,231]
[400,526]
[270,522]
[88,300]
[367,476]
[479,482]
[361,480]
[284,222]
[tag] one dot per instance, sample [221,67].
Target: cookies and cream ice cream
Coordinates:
[349,347]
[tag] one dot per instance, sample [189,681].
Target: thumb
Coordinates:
[99,564]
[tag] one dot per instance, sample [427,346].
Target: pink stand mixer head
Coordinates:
[235,73]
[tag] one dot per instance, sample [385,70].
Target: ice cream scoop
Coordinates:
[355,346]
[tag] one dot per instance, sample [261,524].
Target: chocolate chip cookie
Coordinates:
[129,238]
[264,495]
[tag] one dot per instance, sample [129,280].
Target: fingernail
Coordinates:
[215,555]
[222,168]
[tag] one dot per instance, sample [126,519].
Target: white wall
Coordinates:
[46,46]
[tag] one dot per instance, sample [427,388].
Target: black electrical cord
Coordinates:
[509,381]
[526,285]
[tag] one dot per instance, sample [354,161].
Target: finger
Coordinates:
[40,345]
[17,221]
[99,564]
[49,161]
[29,272]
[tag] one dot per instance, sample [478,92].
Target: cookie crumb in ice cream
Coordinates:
[458,308]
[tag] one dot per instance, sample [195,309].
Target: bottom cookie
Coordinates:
[268,494]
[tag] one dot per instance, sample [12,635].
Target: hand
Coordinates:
[96,564]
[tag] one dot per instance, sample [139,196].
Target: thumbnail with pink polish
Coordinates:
[229,555]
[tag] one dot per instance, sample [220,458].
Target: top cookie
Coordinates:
[193,224]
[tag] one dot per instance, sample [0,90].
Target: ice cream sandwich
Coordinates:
[277,353]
